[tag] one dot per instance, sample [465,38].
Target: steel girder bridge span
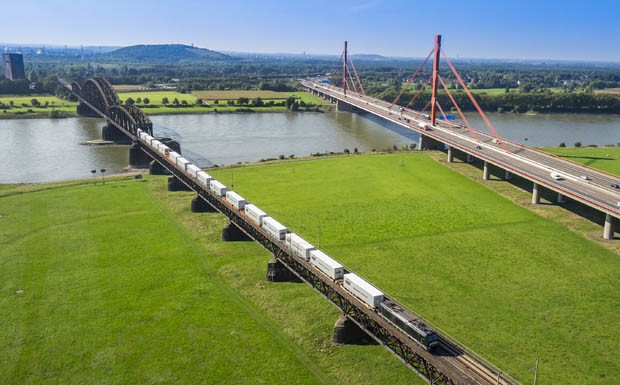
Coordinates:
[593,188]
[450,364]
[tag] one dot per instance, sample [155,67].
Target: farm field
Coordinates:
[603,158]
[21,105]
[613,91]
[506,282]
[120,283]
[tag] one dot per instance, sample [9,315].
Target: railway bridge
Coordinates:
[593,188]
[450,363]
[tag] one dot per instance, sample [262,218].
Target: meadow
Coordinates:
[602,158]
[501,279]
[120,283]
[23,108]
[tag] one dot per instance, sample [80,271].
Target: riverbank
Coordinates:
[170,103]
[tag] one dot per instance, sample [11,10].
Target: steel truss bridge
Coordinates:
[593,188]
[451,364]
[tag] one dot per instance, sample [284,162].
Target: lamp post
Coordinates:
[94,180]
[103,175]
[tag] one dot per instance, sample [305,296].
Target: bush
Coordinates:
[281,157]
[577,144]
[562,144]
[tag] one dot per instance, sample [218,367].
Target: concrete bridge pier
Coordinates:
[427,143]
[343,106]
[277,272]
[347,332]
[561,198]
[155,168]
[199,205]
[535,194]
[231,233]
[450,155]
[175,184]
[137,157]
[610,227]
[486,172]
[113,134]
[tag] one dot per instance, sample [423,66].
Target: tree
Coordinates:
[562,144]
[199,102]
[165,101]
[138,100]
[129,101]
[146,101]
[577,144]
[35,103]
[258,102]
[175,102]
[243,101]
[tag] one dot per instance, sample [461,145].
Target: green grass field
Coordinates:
[506,282]
[121,284]
[20,111]
[602,158]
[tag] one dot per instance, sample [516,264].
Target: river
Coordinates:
[46,150]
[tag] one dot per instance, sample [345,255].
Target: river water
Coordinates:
[45,150]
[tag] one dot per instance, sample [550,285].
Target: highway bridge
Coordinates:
[591,187]
[450,363]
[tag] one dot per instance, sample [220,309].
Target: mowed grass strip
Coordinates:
[504,281]
[603,158]
[120,283]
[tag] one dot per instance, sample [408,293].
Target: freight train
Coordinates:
[363,291]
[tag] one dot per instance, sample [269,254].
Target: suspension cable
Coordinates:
[411,78]
[473,100]
[471,130]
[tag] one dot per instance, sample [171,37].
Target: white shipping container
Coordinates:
[326,264]
[162,148]
[146,137]
[217,187]
[155,143]
[299,246]
[192,169]
[275,228]
[182,162]
[362,290]
[203,178]
[235,199]
[174,156]
[254,213]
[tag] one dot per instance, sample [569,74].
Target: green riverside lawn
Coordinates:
[121,284]
[602,158]
[506,282]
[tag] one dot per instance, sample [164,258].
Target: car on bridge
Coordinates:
[556,176]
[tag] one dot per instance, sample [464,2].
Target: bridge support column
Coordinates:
[450,155]
[535,194]
[508,175]
[231,233]
[155,168]
[486,172]
[427,143]
[343,106]
[137,157]
[347,332]
[199,205]
[277,272]
[113,134]
[609,228]
[561,198]
[175,184]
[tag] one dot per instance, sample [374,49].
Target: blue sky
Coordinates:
[519,29]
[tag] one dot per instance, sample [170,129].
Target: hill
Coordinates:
[166,53]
